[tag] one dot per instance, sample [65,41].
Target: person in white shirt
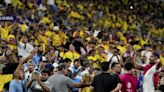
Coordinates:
[52,6]
[42,6]
[147,53]
[8,2]
[113,56]
[96,32]
[24,47]
[29,69]
[51,2]
[39,83]
[148,78]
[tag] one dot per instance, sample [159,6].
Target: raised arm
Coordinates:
[139,31]
[17,71]
[148,36]
[28,84]
[44,87]
[12,25]
[71,83]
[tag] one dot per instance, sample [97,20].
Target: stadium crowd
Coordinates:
[81,46]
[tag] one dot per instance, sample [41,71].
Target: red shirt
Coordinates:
[129,83]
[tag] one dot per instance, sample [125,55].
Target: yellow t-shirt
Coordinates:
[4,32]
[86,89]
[43,39]
[123,39]
[48,34]
[136,47]
[30,5]
[81,34]
[58,2]
[45,20]
[56,40]
[120,34]
[61,54]
[106,47]
[11,36]
[107,23]
[51,26]
[88,39]
[94,59]
[21,5]
[71,55]
[114,17]
[118,25]
[143,42]
[103,58]
[76,33]
[11,46]
[15,2]
[80,6]
[122,49]
[124,26]
[23,27]
[113,25]
[89,15]
[85,28]
[36,42]
[162,60]
[76,15]
[132,26]
[44,47]
[4,79]
[63,37]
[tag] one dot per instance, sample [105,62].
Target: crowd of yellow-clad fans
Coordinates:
[88,31]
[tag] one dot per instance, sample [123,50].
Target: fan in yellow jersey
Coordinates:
[45,19]
[63,36]
[4,30]
[71,54]
[5,79]
[86,78]
[105,45]
[162,57]
[122,48]
[102,54]
[56,39]
[11,42]
[93,57]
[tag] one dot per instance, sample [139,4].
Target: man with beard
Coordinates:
[39,83]
[151,72]
[116,69]
[61,83]
[128,80]
[106,82]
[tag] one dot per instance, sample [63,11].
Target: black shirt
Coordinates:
[161,88]
[105,82]
[115,74]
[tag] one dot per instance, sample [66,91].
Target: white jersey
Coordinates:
[147,54]
[8,2]
[51,2]
[24,49]
[148,84]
